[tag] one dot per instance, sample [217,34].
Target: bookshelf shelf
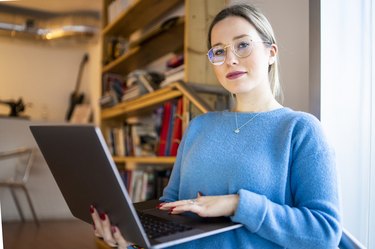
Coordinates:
[154,99]
[129,21]
[141,104]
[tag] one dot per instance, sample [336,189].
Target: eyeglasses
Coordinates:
[241,47]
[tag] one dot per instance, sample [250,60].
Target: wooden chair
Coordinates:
[18,163]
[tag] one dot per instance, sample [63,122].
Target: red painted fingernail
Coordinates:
[92,209]
[171,210]
[160,205]
[113,228]
[102,216]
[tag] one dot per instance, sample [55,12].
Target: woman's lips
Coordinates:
[235,75]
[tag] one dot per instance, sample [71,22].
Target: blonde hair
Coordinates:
[263,27]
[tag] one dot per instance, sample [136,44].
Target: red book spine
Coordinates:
[177,128]
[164,129]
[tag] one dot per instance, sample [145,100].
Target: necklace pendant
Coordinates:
[237,131]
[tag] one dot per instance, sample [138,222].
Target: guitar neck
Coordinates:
[80,72]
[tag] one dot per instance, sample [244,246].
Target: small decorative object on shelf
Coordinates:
[16,107]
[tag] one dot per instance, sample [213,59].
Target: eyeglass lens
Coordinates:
[241,47]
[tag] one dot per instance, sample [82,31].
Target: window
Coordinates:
[347,86]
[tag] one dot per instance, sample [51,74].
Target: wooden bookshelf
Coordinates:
[187,36]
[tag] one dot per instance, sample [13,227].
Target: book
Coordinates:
[150,80]
[150,191]
[177,128]
[119,141]
[177,76]
[113,85]
[174,70]
[108,137]
[170,129]
[143,135]
[108,100]
[143,194]
[133,92]
[146,83]
[167,108]
[135,185]
[145,183]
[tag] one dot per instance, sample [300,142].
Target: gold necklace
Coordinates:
[237,130]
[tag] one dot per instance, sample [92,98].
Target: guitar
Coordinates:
[77,98]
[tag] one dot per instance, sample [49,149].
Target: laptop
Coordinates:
[86,174]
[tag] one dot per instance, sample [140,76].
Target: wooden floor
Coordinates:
[49,235]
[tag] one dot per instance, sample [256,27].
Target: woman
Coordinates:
[261,164]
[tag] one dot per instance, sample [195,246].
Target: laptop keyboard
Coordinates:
[156,227]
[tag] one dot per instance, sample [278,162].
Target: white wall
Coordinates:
[44,76]
[290,21]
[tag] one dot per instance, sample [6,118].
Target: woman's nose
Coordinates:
[231,57]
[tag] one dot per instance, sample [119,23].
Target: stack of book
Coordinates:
[156,135]
[146,184]
[133,91]
[113,88]
[140,82]
[136,137]
[173,75]
[175,70]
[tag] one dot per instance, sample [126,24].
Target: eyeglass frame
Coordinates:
[233,51]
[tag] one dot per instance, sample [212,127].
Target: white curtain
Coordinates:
[348,106]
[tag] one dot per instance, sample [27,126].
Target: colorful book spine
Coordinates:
[177,128]
[164,128]
[170,129]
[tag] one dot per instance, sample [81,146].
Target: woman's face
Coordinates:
[242,75]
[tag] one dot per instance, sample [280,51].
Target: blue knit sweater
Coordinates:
[281,167]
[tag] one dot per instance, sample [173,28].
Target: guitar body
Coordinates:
[77,98]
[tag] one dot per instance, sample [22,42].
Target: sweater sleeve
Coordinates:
[313,220]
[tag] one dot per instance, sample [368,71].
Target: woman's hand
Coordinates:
[204,206]
[103,229]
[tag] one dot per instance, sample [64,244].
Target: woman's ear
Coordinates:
[272,53]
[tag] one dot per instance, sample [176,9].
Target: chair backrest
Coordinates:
[348,241]
[21,160]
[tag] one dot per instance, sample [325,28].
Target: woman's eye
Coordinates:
[219,52]
[243,45]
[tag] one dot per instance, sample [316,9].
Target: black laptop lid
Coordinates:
[86,174]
